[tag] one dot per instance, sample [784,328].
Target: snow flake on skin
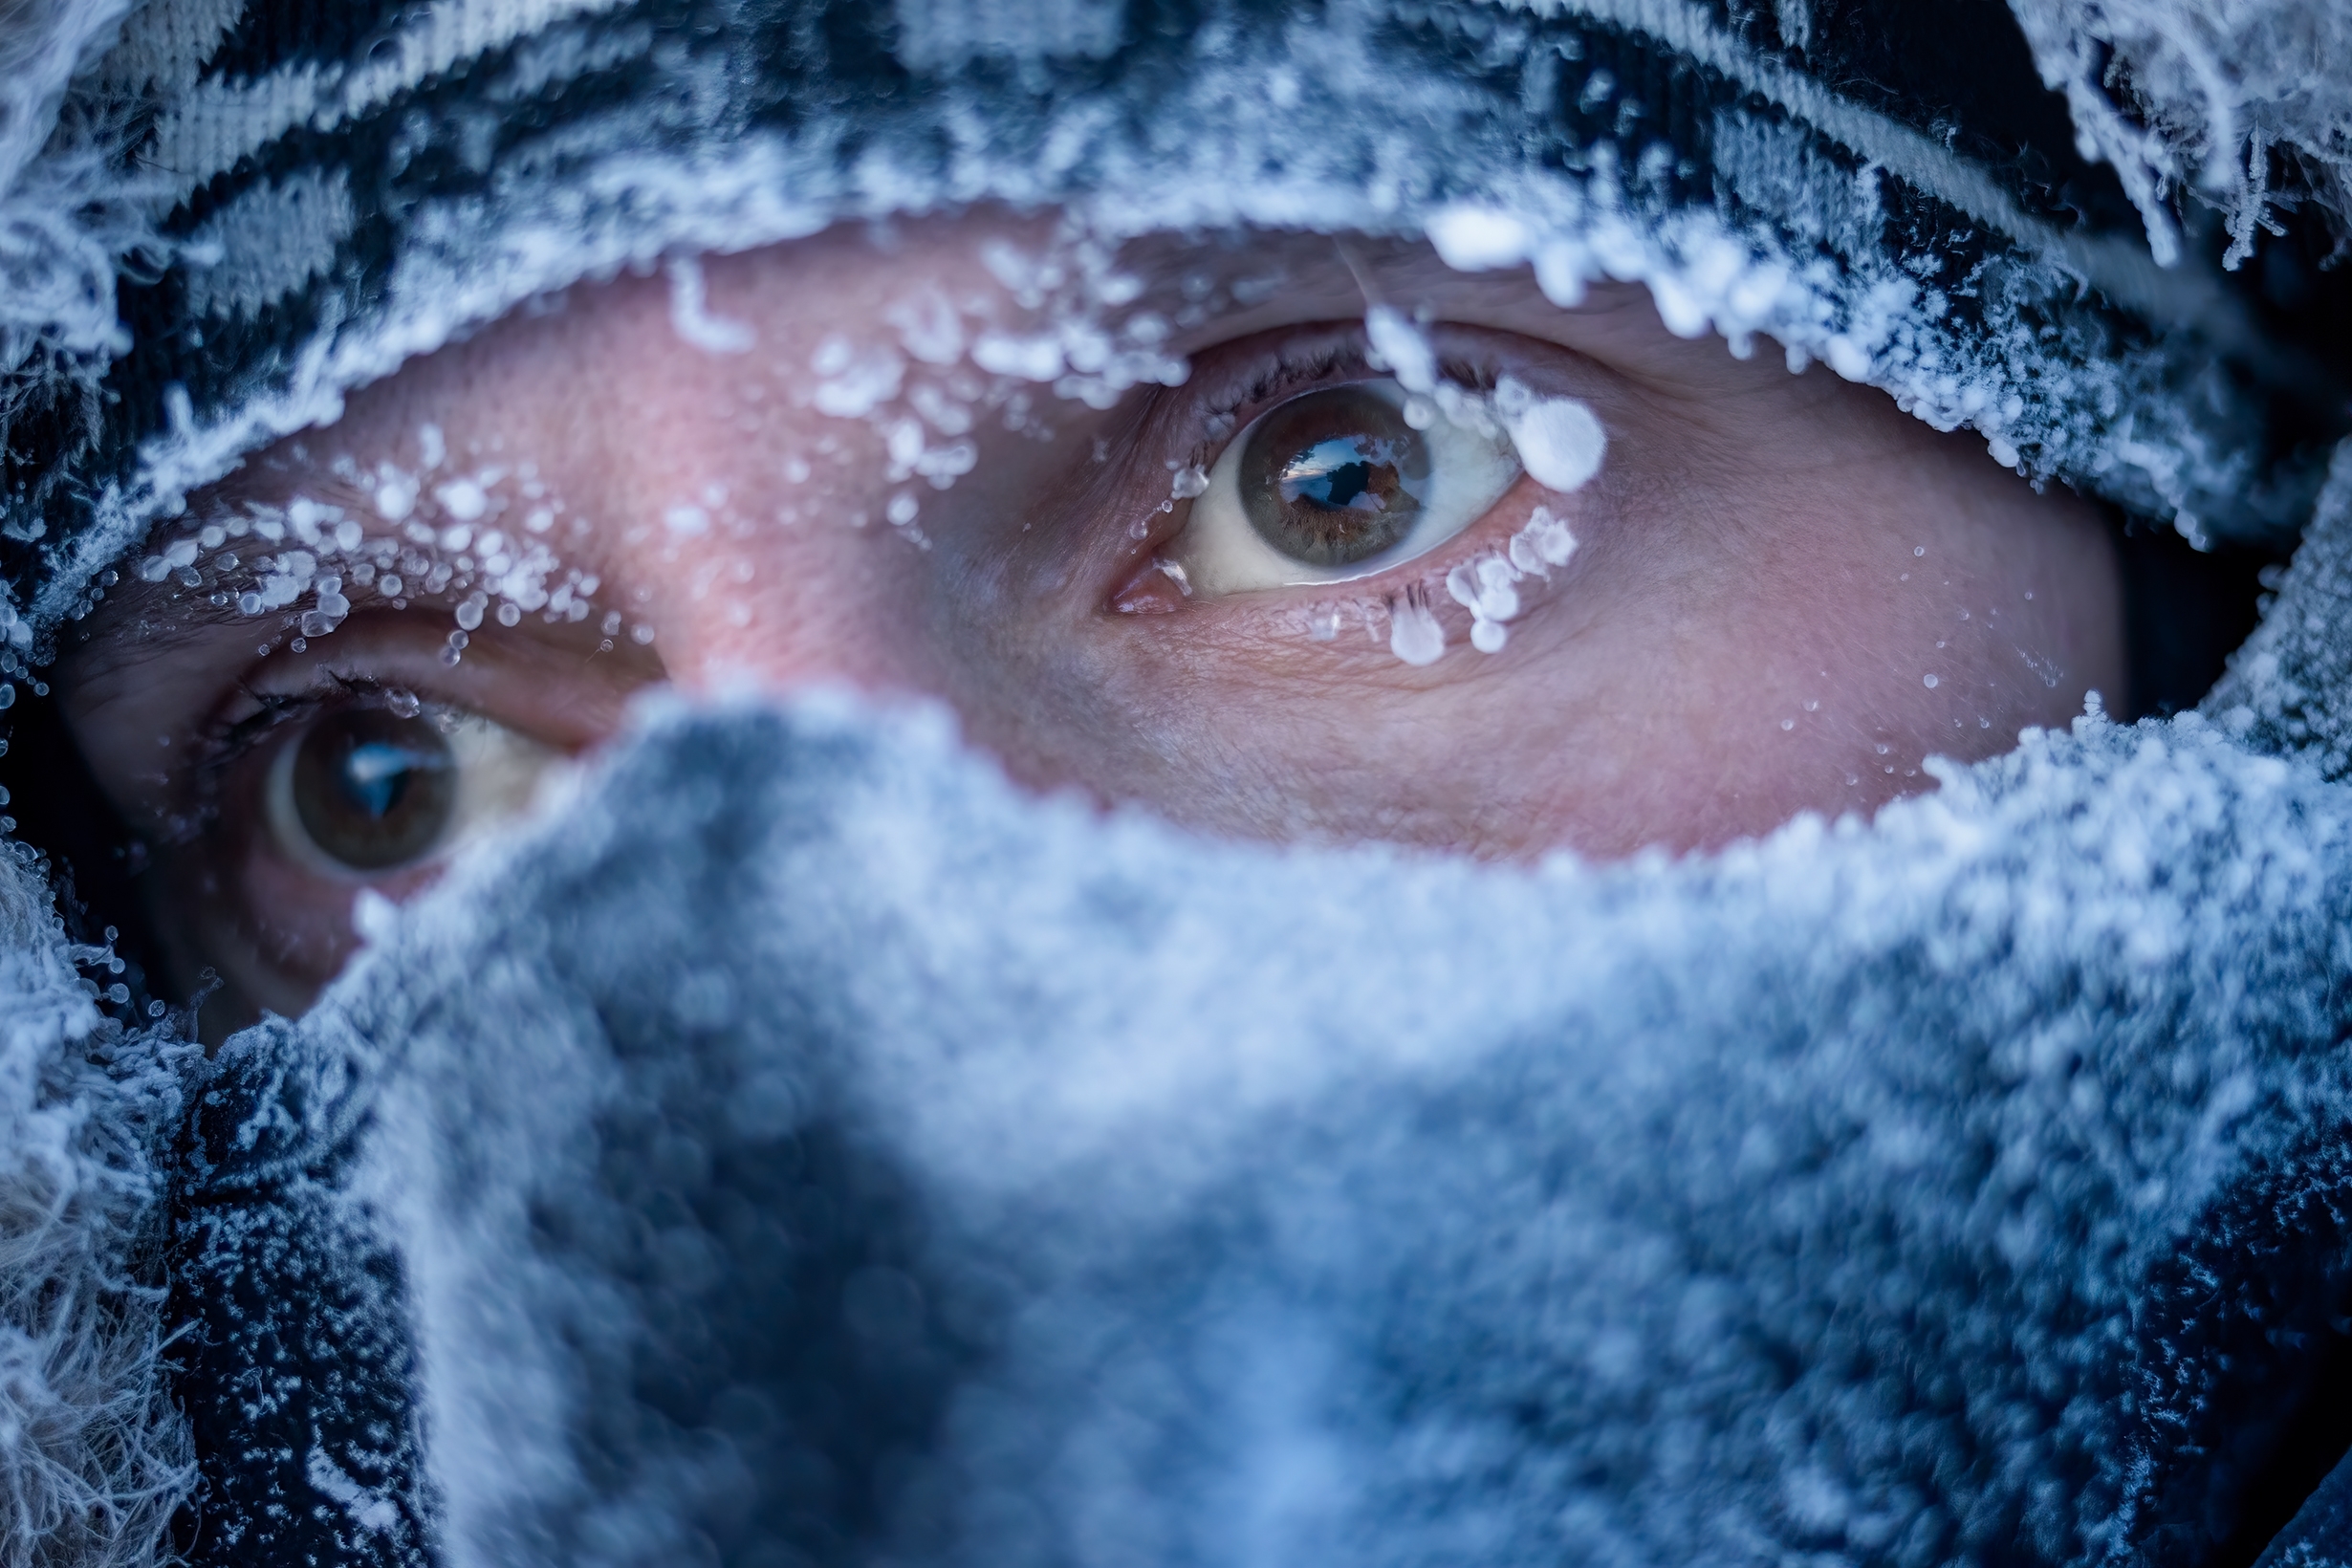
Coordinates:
[948,363]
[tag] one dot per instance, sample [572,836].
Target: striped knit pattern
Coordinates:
[347,183]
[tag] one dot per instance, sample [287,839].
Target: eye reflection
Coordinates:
[366,789]
[1334,477]
[369,789]
[1335,484]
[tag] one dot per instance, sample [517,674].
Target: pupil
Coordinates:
[373,790]
[1334,477]
[376,775]
[1344,472]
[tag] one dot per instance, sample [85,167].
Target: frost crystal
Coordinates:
[1565,1197]
[691,317]
[1559,440]
[1414,634]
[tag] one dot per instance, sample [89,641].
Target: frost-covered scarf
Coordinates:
[803,1149]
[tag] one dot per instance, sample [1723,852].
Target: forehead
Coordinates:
[844,324]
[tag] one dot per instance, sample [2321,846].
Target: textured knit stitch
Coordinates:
[2012,292]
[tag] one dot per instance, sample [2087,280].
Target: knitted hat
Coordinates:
[2063,228]
[281,200]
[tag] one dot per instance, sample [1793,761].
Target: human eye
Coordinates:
[382,783]
[306,778]
[1340,482]
[298,800]
[1336,483]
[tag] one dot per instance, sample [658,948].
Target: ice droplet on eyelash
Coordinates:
[1560,443]
[1414,634]
[1190,481]
[1402,348]
[1486,588]
[1545,542]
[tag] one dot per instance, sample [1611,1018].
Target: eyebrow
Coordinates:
[103,642]
[193,613]
[154,620]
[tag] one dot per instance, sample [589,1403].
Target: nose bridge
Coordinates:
[785,605]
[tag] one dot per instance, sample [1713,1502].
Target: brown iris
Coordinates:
[1334,477]
[374,789]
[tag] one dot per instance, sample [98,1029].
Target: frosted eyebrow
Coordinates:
[106,642]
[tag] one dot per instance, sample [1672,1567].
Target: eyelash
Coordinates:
[1287,376]
[1310,358]
[1272,383]
[224,745]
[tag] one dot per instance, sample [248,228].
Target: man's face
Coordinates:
[1162,526]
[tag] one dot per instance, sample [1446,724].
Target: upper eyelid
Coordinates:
[1283,377]
[1272,382]
[1344,347]
[222,742]
[225,743]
